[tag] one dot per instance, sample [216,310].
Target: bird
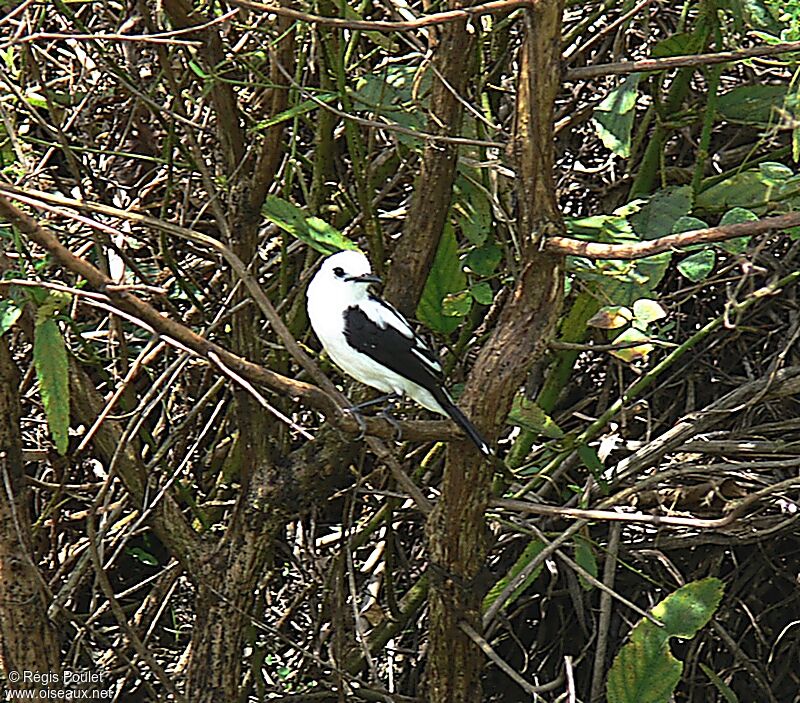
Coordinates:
[368,339]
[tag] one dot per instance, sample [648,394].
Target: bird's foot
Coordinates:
[362,425]
[386,414]
[391,400]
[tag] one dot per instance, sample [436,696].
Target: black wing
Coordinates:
[391,342]
[407,356]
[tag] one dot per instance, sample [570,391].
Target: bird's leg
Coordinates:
[386,414]
[362,426]
[380,399]
[391,400]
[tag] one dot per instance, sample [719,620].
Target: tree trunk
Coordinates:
[456,530]
[433,191]
[28,642]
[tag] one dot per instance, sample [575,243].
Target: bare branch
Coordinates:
[638,250]
[388,26]
[623,67]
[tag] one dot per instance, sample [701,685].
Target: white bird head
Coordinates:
[346,273]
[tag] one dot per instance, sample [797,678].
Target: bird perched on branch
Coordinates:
[372,342]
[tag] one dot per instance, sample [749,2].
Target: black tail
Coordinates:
[463,422]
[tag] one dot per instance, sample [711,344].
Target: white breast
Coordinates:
[326,308]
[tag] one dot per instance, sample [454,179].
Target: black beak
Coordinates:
[367,278]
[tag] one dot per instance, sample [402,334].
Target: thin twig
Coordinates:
[388,26]
[623,67]
[504,666]
[603,622]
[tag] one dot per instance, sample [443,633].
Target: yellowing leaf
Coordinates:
[647,311]
[644,670]
[611,317]
[54,302]
[640,351]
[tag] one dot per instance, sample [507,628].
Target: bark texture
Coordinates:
[27,639]
[412,259]
[456,530]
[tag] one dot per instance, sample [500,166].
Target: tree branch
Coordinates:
[453,65]
[173,331]
[638,250]
[388,26]
[623,67]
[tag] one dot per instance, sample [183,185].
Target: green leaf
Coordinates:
[652,269]
[796,144]
[775,171]
[722,687]
[391,88]
[141,555]
[586,559]
[377,38]
[687,223]
[527,414]
[396,93]
[531,551]
[9,314]
[483,293]
[590,460]
[763,187]
[758,15]
[484,260]
[36,99]
[317,233]
[623,282]
[680,44]
[295,111]
[664,208]
[756,104]
[325,238]
[644,670]
[457,304]
[613,118]
[284,214]
[198,70]
[684,612]
[696,267]
[602,228]
[446,278]
[50,361]
[736,216]
[473,211]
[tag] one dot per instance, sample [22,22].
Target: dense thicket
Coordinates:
[184,506]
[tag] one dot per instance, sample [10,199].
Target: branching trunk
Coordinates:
[456,530]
